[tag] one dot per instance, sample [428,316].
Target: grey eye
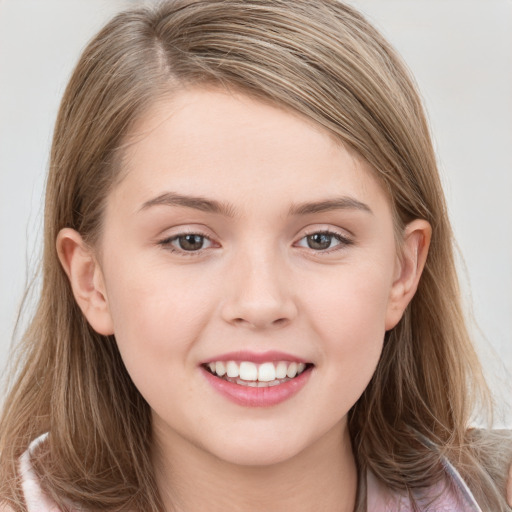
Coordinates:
[320,241]
[324,240]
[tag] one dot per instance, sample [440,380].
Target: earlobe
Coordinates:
[86,279]
[409,267]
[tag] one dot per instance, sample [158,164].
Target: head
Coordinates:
[323,63]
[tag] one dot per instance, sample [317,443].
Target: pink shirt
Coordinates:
[450,495]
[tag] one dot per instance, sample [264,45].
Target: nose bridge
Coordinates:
[259,295]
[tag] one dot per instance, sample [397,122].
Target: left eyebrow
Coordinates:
[338,203]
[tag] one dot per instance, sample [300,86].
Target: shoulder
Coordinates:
[509,486]
[447,495]
[491,452]
[493,449]
[35,498]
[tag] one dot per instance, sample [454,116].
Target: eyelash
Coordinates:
[167,242]
[343,241]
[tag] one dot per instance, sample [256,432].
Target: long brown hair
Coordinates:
[319,58]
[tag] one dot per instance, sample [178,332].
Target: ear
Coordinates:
[408,269]
[86,279]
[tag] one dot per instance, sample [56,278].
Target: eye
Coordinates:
[323,241]
[187,242]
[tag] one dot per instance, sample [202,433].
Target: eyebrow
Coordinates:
[195,202]
[229,210]
[337,203]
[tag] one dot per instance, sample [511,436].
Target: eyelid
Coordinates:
[343,239]
[166,242]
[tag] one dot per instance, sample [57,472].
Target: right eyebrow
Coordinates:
[195,202]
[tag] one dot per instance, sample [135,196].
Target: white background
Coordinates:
[460,52]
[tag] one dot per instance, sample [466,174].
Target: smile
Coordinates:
[247,373]
[257,380]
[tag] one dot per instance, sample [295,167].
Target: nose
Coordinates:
[259,293]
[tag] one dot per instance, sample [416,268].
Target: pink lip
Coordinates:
[256,357]
[257,397]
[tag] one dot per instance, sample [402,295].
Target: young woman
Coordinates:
[249,297]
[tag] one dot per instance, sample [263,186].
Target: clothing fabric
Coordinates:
[35,498]
[450,495]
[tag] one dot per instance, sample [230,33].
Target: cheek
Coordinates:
[352,304]
[156,317]
[349,319]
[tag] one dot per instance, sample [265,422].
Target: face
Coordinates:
[242,238]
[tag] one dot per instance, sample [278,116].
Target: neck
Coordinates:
[321,477]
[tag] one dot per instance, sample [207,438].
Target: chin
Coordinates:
[257,449]
[256,456]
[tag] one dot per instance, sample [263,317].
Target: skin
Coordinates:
[256,284]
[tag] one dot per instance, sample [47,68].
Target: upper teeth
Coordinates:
[264,372]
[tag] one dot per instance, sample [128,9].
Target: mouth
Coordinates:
[257,379]
[257,375]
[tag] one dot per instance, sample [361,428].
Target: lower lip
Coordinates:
[258,397]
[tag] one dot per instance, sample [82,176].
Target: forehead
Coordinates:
[228,145]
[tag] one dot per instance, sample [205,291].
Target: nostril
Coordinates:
[279,322]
